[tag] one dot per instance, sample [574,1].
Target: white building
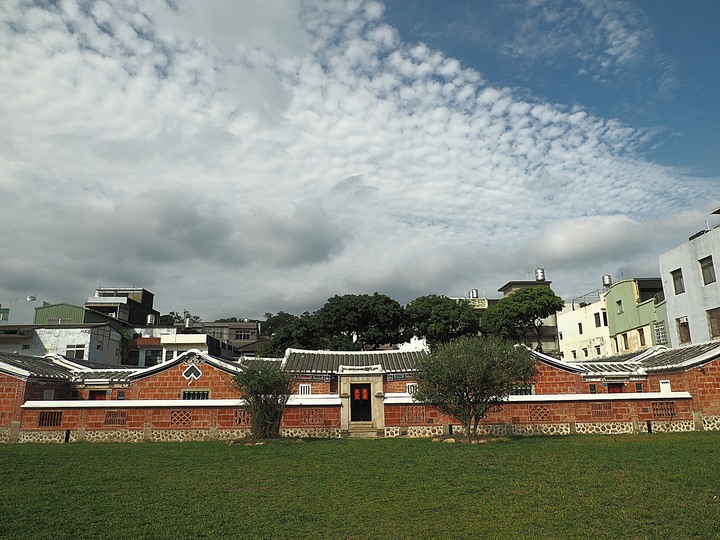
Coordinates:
[691,288]
[583,328]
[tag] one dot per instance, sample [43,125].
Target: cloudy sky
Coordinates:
[237,157]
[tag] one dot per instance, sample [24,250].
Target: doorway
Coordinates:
[360,403]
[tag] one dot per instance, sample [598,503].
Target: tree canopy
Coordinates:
[266,392]
[519,315]
[468,376]
[175,317]
[366,320]
[440,319]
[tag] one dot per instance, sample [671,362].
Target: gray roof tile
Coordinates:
[299,361]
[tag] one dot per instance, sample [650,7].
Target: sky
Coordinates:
[240,157]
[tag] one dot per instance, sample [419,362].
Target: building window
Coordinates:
[50,419]
[560,335]
[593,389]
[196,394]
[597,350]
[574,353]
[25,346]
[678,283]
[168,355]
[641,336]
[597,320]
[97,395]
[663,409]
[411,388]
[619,307]
[48,395]
[181,417]
[243,335]
[713,316]
[708,272]
[604,317]
[585,352]
[115,418]
[638,387]
[153,357]
[660,335]
[683,329]
[305,389]
[580,328]
[522,390]
[625,342]
[75,351]
[615,388]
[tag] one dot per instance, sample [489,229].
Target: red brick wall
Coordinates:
[12,392]
[319,417]
[169,384]
[396,386]
[552,380]
[413,415]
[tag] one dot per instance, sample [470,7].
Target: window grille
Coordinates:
[414,414]
[539,413]
[181,418]
[196,394]
[601,410]
[663,409]
[660,335]
[115,418]
[50,419]
[312,417]
[242,417]
[305,389]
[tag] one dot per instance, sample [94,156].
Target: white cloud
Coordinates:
[237,158]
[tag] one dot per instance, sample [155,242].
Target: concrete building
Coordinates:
[637,317]
[693,293]
[133,306]
[583,330]
[20,311]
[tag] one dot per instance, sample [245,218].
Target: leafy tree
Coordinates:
[227,319]
[366,320]
[469,376]
[440,319]
[519,315]
[300,333]
[175,317]
[266,392]
[275,322]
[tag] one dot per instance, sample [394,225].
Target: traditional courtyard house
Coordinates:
[636,314]
[353,394]
[691,288]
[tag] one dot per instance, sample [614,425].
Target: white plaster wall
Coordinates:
[697,298]
[592,336]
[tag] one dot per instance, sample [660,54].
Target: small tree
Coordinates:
[469,376]
[266,392]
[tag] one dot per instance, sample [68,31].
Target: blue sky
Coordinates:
[242,157]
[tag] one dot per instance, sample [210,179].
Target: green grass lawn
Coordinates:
[629,486]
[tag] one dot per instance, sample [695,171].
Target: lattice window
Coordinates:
[663,409]
[115,418]
[539,413]
[601,410]
[312,417]
[50,419]
[242,417]
[660,335]
[181,417]
[413,415]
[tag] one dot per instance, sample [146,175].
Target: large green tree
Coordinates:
[175,317]
[297,333]
[360,319]
[274,322]
[266,392]
[468,376]
[519,315]
[440,319]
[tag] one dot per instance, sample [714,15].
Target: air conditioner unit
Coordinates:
[683,319]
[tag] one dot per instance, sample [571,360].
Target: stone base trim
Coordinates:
[425,431]
[311,433]
[392,431]
[604,428]
[711,423]
[670,426]
[541,429]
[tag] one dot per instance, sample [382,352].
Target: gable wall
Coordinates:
[169,384]
[552,380]
[12,394]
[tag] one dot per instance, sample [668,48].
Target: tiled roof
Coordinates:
[299,361]
[683,357]
[24,366]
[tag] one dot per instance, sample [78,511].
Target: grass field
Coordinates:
[629,486]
